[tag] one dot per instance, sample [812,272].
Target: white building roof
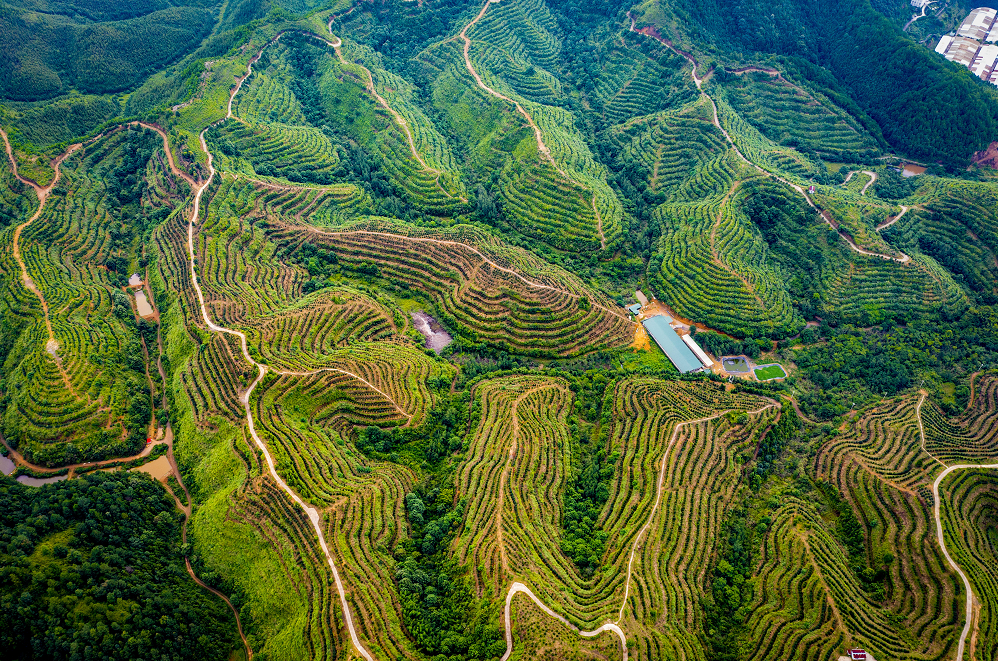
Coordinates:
[962,51]
[985,61]
[944,44]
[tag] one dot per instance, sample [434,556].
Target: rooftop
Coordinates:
[681,355]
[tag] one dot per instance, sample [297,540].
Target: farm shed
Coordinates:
[697,351]
[978,23]
[681,355]
[634,309]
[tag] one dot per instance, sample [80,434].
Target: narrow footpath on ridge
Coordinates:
[42,193]
[968,617]
[541,147]
[904,259]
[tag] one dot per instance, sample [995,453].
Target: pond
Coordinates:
[735,364]
[7,465]
[436,337]
[39,481]
[145,310]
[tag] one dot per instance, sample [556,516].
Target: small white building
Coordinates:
[697,351]
[918,4]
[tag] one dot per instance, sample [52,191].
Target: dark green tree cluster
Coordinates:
[588,487]
[91,568]
[892,185]
[439,610]
[44,54]
[849,365]
[850,533]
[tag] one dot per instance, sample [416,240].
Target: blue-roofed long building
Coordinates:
[681,355]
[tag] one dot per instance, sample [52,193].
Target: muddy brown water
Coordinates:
[436,337]
[911,170]
[7,465]
[160,468]
[145,310]
[40,481]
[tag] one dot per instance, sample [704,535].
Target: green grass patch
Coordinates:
[767,372]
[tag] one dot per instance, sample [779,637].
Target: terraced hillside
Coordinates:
[401,405]
[81,362]
[553,187]
[672,446]
[485,291]
[709,262]
[885,469]
[790,115]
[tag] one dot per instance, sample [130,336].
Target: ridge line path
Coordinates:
[969,604]
[658,494]
[518,587]
[337,44]
[42,193]
[904,259]
[445,242]
[890,221]
[871,173]
[311,512]
[541,147]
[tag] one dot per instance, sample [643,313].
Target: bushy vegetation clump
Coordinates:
[94,567]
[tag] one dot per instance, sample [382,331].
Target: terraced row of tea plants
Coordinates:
[81,370]
[671,444]
[552,186]
[484,291]
[895,592]
[710,263]
[790,115]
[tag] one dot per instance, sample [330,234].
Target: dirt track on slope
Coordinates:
[653,33]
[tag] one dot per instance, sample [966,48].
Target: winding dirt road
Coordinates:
[884,225]
[915,17]
[904,259]
[245,398]
[870,173]
[42,193]
[969,604]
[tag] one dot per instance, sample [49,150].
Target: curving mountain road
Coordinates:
[245,398]
[969,604]
[904,259]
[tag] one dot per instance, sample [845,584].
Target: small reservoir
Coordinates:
[39,481]
[436,337]
[142,303]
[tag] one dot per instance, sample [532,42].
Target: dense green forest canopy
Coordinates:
[93,48]
[92,568]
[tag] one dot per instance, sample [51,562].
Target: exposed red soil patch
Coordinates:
[988,157]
